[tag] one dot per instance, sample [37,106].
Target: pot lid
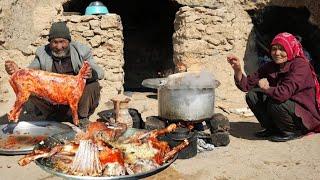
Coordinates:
[191,80]
[96,3]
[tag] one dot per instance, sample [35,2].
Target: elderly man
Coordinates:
[64,56]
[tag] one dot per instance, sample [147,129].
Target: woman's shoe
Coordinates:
[264,133]
[287,136]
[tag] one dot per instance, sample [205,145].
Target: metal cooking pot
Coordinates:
[184,103]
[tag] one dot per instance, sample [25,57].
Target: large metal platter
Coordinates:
[51,141]
[20,138]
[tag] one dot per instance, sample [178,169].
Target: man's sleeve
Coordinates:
[35,64]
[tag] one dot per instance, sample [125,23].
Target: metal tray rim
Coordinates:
[135,176]
[27,124]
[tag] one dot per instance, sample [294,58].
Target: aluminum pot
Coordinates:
[186,103]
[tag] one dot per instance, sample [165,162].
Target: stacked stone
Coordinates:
[219,127]
[104,35]
[205,36]
[201,33]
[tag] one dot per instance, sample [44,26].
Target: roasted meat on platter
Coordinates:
[100,151]
[56,88]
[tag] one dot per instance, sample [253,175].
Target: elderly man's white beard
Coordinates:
[61,54]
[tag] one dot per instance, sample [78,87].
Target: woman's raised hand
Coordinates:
[234,62]
[236,66]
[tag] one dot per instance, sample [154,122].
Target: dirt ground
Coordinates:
[246,157]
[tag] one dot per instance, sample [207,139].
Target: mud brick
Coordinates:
[218,123]
[153,122]
[219,139]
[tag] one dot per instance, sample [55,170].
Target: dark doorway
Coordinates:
[272,20]
[147,28]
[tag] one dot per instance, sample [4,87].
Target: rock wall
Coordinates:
[312,5]
[204,37]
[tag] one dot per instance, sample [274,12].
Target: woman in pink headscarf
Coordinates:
[283,94]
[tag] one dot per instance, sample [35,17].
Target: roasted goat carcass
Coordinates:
[87,154]
[144,152]
[98,131]
[56,88]
[100,152]
[69,149]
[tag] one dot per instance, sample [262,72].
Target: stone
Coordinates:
[82,27]
[191,19]
[201,27]
[185,8]
[111,21]
[136,118]
[219,139]
[79,37]
[88,33]
[213,40]
[44,32]
[153,122]
[94,24]
[218,123]
[115,77]
[30,50]
[95,41]
[88,18]
[98,31]
[75,18]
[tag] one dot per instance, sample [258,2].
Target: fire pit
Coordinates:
[188,99]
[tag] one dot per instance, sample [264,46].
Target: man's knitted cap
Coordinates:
[59,30]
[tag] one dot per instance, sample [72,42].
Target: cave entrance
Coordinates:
[272,20]
[147,29]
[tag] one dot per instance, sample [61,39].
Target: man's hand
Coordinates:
[11,67]
[263,84]
[88,73]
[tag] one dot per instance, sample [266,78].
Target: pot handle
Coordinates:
[154,83]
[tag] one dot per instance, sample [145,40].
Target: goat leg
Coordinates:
[39,154]
[74,110]
[17,108]
[168,129]
[175,150]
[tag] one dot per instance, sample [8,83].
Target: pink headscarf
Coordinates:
[294,49]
